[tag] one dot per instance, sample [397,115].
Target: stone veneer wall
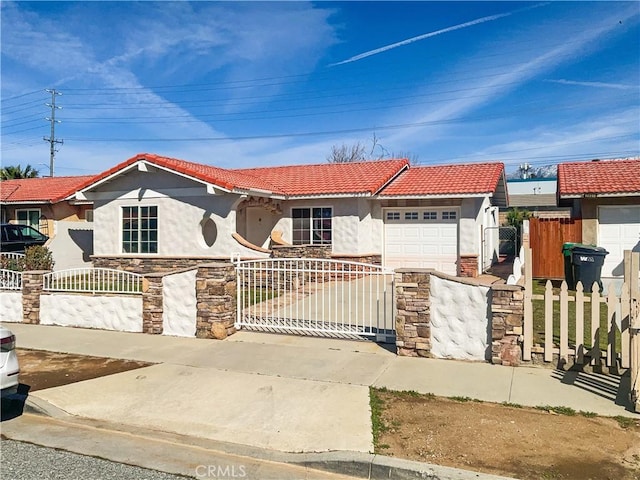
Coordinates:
[468,265]
[413,320]
[507,307]
[152,304]
[32,287]
[372,258]
[216,300]
[150,265]
[413,328]
[301,251]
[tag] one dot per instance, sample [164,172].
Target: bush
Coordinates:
[38,258]
[15,264]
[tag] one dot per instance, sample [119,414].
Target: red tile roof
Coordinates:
[392,177]
[474,178]
[330,178]
[40,190]
[227,179]
[599,177]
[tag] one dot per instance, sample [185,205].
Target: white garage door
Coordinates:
[619,230]
[422,238]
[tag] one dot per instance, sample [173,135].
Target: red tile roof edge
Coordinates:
[17,183]
[182,166]
[568,186]
[498,174]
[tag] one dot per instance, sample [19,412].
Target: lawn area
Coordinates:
[538,319]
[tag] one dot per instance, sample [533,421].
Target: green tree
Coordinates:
[13,172]
[515,217]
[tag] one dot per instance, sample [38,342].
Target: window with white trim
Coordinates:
[140,229]
[312,226]
[449,215]
[29,217]
[430,215]
[411,215]
[393,215]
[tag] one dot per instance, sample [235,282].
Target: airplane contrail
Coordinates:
[433,34]
[619,86]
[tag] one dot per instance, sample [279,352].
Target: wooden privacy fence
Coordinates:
[546,237]
[583,327]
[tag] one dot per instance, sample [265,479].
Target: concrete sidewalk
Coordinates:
[342,362]
[287,393]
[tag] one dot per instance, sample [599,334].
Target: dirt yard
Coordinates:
[40,369]
[519,442]
[526,443]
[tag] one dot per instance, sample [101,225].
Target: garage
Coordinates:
[618,230]
[421,238]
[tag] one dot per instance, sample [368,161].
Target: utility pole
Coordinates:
[52,138]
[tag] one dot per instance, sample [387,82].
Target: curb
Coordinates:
[379,467]
[38,406]
[353,464]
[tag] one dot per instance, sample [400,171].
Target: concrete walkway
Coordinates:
[286,393]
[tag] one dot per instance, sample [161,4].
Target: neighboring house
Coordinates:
[606,194]
[536,195]
[153,212]
[43,203]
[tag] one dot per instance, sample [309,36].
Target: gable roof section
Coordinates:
[445,180]
[599,178]
[40,190]
[357,178]
[229,180]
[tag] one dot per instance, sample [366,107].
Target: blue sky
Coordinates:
[248,84]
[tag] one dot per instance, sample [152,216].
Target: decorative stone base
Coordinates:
[413,331]
[146,265]
[216,301]
[301,251]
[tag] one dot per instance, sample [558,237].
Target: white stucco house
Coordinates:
[154,210]
[606,195]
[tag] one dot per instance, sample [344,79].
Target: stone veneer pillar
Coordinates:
[216,300]
[507,322]
[32,287]
[413,330]
[152,308]
[469,265]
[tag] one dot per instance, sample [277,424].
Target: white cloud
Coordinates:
[484,91]
[241,41]
[614,134]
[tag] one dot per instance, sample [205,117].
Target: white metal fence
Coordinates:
[10,280]
[93,280]
[12,255]
[316,296]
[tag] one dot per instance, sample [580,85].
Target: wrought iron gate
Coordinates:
[316,297]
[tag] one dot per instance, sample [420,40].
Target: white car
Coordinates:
[9,368]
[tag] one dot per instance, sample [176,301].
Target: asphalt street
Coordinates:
[24,461]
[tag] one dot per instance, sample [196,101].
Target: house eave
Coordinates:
[443,195]
[329,195]
[143,165]
[259,193]
[569,196]
[28,202]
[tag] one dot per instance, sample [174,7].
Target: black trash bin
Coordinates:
[587,265]
[567,248]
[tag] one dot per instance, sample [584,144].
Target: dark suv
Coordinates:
[15,238]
